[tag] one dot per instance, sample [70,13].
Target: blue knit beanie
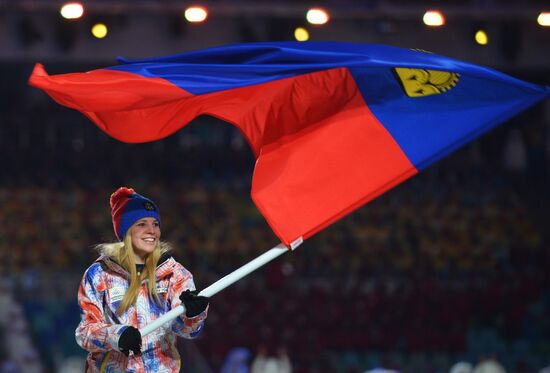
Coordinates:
[127,207]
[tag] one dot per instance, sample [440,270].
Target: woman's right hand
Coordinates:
[130,339]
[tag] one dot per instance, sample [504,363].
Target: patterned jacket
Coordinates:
[103,285]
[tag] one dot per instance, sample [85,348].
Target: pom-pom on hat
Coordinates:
[127,207]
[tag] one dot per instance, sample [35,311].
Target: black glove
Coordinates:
[130,339]
[194,304]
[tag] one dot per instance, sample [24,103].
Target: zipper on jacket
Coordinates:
[104,362]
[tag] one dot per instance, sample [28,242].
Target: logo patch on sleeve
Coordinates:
[161,289]
[116,294]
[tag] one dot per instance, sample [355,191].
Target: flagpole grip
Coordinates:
[219,285]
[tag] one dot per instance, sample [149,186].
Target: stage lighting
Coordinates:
[433,18]
[99,30]
[481,37]
[301,34]
[544,19]
[72,10]
[196,14]
[317,16]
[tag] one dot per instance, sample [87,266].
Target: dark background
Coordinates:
[450,266]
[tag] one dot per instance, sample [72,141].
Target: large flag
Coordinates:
[332,125]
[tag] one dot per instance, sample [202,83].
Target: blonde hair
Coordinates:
[123,254]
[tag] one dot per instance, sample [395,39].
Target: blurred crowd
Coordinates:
[451,266]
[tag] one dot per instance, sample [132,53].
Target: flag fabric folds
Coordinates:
[332,125]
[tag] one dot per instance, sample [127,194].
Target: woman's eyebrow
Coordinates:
[144,220]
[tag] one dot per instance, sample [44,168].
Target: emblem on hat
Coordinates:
[148,206]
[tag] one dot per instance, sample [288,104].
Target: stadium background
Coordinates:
[450,266]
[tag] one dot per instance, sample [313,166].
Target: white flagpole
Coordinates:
[219,285]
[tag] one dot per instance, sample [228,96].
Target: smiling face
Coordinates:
[145,234]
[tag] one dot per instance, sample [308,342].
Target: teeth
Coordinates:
[149,239]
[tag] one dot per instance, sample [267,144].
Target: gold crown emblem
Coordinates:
[148,206]
[422,82]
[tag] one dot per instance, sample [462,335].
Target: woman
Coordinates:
[132,283]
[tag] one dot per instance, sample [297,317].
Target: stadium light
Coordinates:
[301,34]
[481,37]
[433,18]
[72,10]
[544,19]
[317,16]
[196,14]
[99,30]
